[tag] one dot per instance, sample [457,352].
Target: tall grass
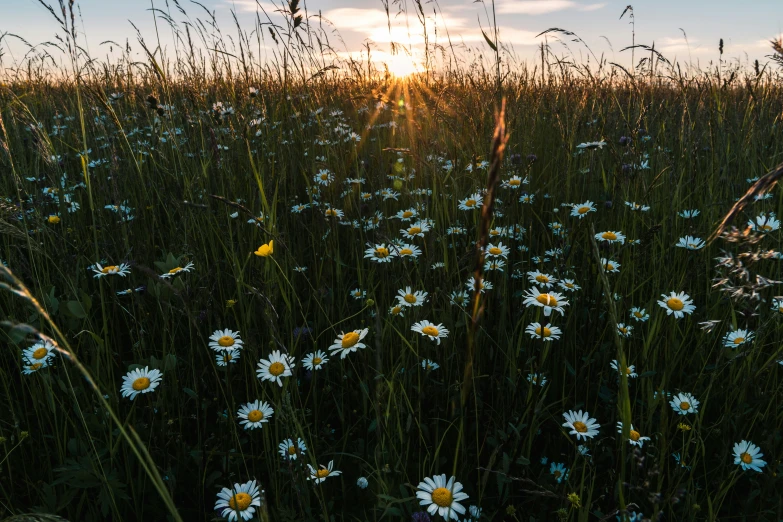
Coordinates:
[183,166]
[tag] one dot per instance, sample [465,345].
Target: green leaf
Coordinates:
[489,42]
[76,309]
[190,393]
[169,362]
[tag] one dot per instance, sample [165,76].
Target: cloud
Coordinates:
[540,7]
[251,6]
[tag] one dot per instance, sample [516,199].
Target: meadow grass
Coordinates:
[202,158]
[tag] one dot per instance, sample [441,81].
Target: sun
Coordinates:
[400,66]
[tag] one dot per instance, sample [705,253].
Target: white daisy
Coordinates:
[677,304]
[498,250]
[611,237]
[254,414]
[429,365]
[348,342]
[222,340]
[315,361]
[291,450]
[634,437]
[548,301]
[684,403]
[580,210]
[539,278]
[610,265]
[408,297]
[40,352]
[471,202]
[737,337]
[547,333]
[140,381]
[321,474]
[239,502]
[379,253]
[690,243]
[416,230]
[278,365]
[441,496]
[179,270]
[748,456]
[435,332]
[581,424]
[226,357]
[102,271]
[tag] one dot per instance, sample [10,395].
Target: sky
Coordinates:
[688,30]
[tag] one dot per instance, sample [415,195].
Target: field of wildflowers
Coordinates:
[233,292]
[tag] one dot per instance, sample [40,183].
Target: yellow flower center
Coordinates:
[226,341]
[546,300]
[227,357]
[628,371]
[430,330]
[638,314]
[317,361]
[276,368]
[494,232]
[142,383]
[583,210]
[175,270]
[322,473]
[541,278]
[407,214]
[557,474]
[331,212]
[685,406]
[324,176]
[675,304]
[569,285]
[609,236]
[470,203]
[623,330]
[609,267]
[240,502]
[406,252]
[255,415]
[414,230]
[54,220]
[381,252]
[580,426]
[442,497]
[495,251]
[739,340]
[350,339]
[292,450]
[410,298]
[40,353]
[634,435]
[746,458]
[108,269]
[763,227]
[514,182]
[543,331]
[35,366]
